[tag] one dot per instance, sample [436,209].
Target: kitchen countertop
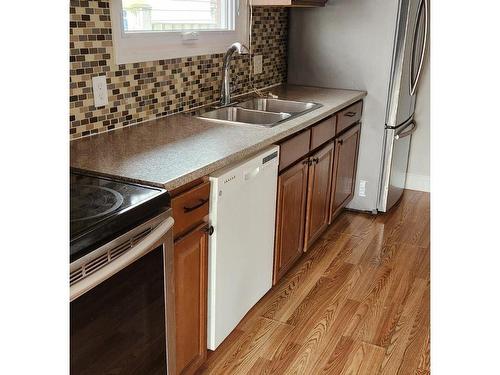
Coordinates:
[172,151]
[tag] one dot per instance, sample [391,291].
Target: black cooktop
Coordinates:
[102,209]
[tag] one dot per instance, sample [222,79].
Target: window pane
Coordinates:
[176,15]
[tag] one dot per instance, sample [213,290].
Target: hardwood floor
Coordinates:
[356,303]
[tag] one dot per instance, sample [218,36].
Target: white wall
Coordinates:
[346,55]
[418,176]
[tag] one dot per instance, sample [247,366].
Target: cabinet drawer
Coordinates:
[323,132]
[190,208]
[294,149]
[349,116]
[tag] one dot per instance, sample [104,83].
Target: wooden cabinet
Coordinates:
[190,212]
[323,132]
[290,3]
[318,193]
[290,218]
[344,173]
[190,267]
[316,181]
[294,148]
[349,116]
[190,208]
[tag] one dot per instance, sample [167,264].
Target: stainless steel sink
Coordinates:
[260,111]
[278,105]
[239,115]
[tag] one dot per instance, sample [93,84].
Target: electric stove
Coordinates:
[102,209]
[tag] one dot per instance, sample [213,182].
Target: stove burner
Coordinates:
[90,202]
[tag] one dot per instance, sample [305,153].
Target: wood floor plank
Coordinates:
[246,350]
[323,331]
[307,283]
[353,223]
[416,341]
[403,334]
[333,353]
[293,282]
[365,359]
[325,290]
[424,363]
[335,362]
[356,303]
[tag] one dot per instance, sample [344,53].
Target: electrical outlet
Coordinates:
[257,64]
[362,188]
[100,89]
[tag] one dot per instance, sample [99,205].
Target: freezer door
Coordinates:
[397,150]
[409,50]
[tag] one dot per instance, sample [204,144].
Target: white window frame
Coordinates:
[150,46]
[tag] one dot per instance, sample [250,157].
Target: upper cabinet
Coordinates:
[290,3]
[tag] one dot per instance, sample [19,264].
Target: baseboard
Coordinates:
[418,182]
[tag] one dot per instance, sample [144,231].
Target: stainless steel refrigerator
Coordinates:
[372,45]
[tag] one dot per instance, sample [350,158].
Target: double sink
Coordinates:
[267,112]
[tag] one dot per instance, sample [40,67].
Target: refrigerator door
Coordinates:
[397,150]
[409,48]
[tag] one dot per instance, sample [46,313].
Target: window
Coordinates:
[146,30]
[176,15]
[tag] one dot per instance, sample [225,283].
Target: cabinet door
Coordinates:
[318,195]
[290,218]
[190,268]
[346,158]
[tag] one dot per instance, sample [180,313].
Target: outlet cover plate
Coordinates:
[100,89]
[257,64]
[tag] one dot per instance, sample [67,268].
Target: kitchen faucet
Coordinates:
[225,98]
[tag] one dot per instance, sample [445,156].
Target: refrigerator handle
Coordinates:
[412,126]
[414,83]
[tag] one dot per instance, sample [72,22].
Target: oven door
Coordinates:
[120,313]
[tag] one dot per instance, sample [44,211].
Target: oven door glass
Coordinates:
[119,326]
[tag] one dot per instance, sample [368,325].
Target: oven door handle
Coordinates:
[143,247]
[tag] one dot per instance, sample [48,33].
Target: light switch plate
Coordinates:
[257,64]
[100,89]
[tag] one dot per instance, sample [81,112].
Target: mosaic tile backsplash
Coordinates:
[144,91]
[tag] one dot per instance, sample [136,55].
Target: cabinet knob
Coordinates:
[209,229]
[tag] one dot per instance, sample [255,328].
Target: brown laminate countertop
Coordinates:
[172,151]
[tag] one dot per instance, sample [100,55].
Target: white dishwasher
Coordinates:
[241,249]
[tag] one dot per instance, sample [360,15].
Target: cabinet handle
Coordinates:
[200,203]
[350,114]
[208,229]
[316,160]
[340,142]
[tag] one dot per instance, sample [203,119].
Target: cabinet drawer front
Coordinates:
[294,149]
[190,208]
[349,116]
[323,132]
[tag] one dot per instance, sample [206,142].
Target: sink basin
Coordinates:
[278,105]
[237,115]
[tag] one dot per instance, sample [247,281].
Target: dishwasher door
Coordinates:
[241,250]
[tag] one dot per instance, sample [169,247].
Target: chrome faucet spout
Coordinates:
[240,49]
